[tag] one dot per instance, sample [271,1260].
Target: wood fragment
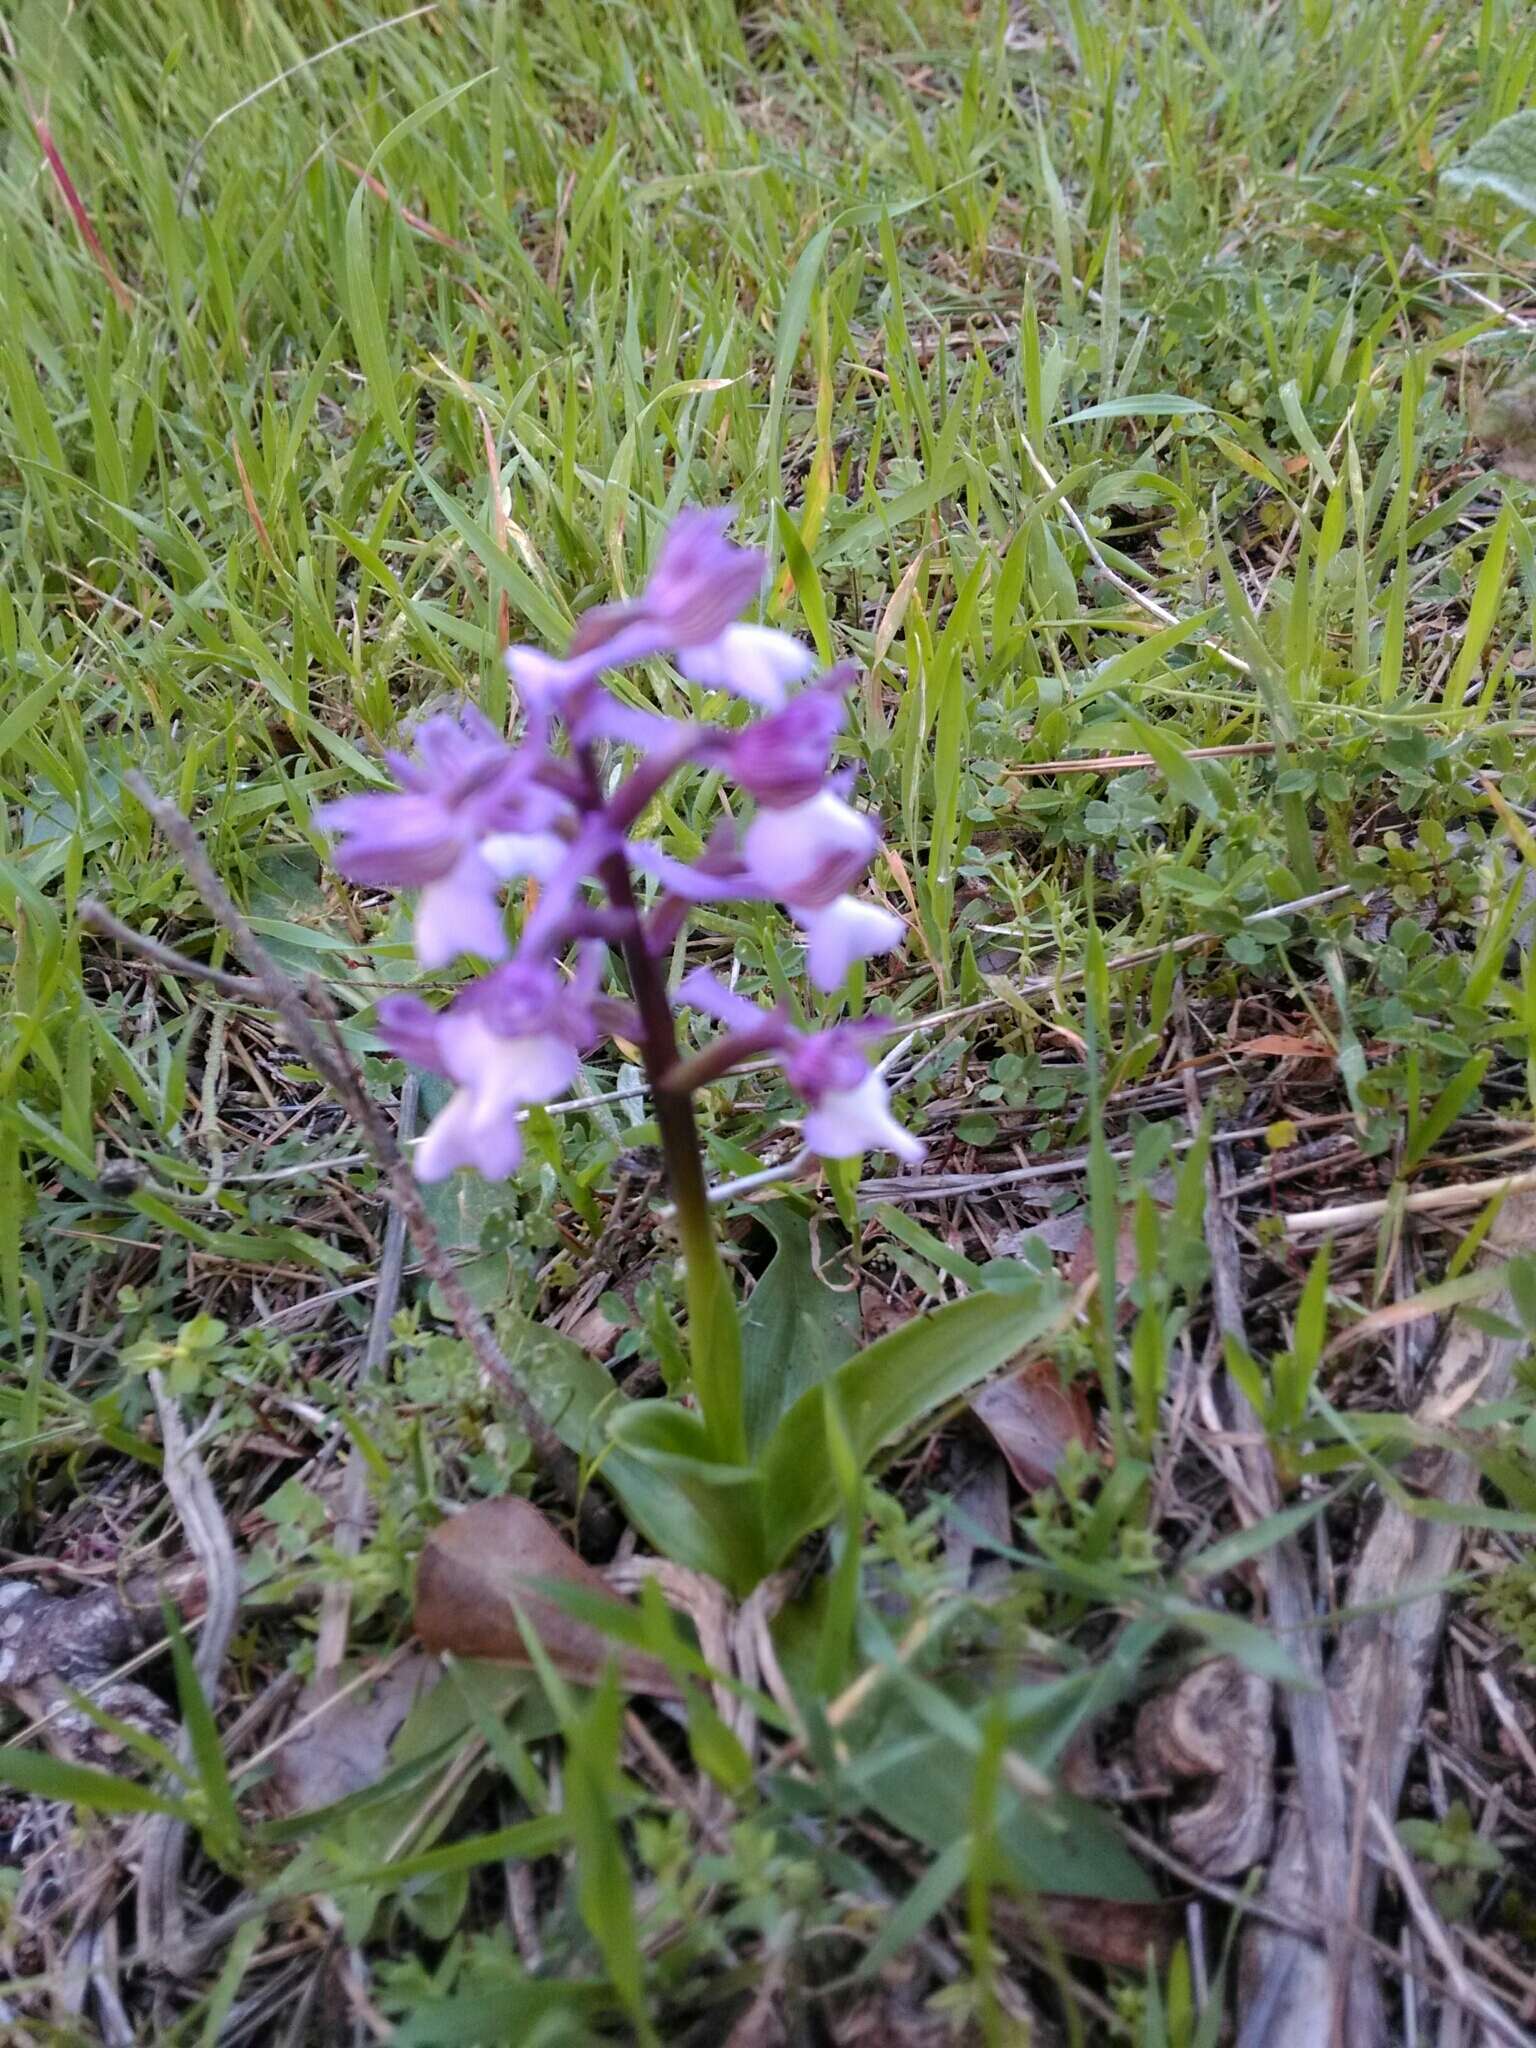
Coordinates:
[1314,1881]
[1215,1727]
[1468,1194]
[1380,1675]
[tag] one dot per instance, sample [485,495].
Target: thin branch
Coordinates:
[347,1538]
[1123,584]
[208,1538]
[1467,1194]
[328,1055]
[96,917]
[1116,764]
[1289,1978]
[1466,1990]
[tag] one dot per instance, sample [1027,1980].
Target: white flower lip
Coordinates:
[849,1121]
[844,931]
[459,914]
[807,853]
[754,662]
[497,1077]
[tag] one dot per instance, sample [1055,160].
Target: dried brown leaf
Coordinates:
[480,1567]
[1033,1419]
[1116,1932]
[345,1747]
[1283,1045]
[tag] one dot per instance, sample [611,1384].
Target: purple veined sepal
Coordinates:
[703,990]
[689,609]
[510,1040]
[699,584]
[784,759]
[848,1103]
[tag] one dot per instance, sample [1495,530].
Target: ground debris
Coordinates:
[1214,1731]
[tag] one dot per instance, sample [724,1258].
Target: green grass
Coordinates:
[1098,380]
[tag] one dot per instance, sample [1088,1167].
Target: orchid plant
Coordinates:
[472,813]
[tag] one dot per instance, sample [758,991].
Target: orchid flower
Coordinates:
[469,814]
[472,813]
[507,1041]
[848,1101]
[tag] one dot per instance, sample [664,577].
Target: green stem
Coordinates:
[714,1332]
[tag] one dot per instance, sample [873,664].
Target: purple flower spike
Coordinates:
[472,814]
[850,1104]
[512,1039]
[468,814]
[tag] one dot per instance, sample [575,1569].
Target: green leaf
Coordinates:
[1232,1551]
[1132,662]
[1155,405]
[813,603]
[523,1841]
[887,1388]
[921,1782]
[1482,612]
[604,1887]
[29,1770]
[222,1828]
[913,1234]
[1301,427]
[796,1329]
[794,312]
[725,1499]
[1447,1107]
[1182,775]
[1502,162]
[577,1399]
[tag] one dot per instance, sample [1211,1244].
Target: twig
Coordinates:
[1255,1909]
[1509,1721]
[1381,1672]
[336,1600]
[1294,1985]
[1139,598]
[1467,1194]
[96,917]
[1116,764]
[1515,320]
[208,1538]
[1465,1988]
[328,1055]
